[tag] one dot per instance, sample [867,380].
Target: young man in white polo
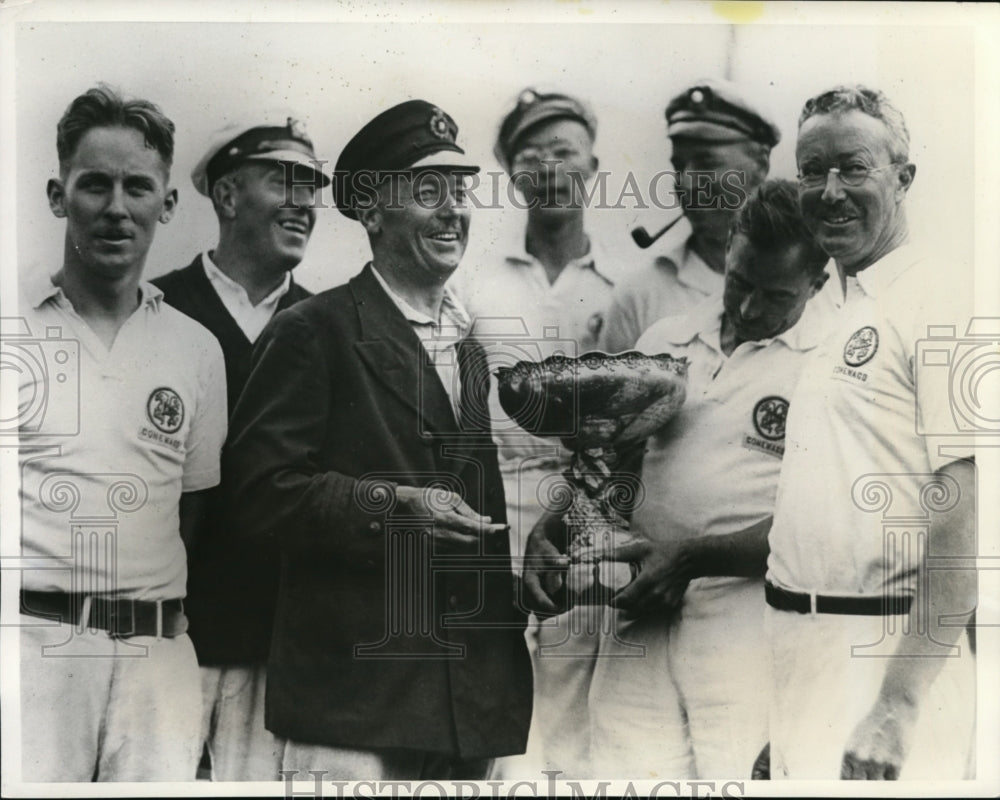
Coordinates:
[109,681]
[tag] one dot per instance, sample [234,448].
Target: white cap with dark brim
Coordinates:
[238,143]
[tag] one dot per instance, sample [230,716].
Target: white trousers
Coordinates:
[563,652]
[828,669]
[97,708]
[232,724]
[683,699]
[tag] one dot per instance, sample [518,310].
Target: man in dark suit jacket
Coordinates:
[263,181]
[362,446]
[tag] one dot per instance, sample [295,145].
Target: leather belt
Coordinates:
[803,603]
[120,617]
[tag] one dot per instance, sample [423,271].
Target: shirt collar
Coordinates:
[704,322]
[807,333]
[453,314]
[596,258]
[222,281]
[879,276]
[37,289]
[692,271]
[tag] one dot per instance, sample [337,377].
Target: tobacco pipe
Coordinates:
[642,238]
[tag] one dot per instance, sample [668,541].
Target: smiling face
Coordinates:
[766,290]
[420,225]
[856,225]
[112,191]
[552,161]
[272,216]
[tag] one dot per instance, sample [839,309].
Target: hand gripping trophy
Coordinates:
[601,407]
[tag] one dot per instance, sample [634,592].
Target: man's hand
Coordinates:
[544,577]
[879,743]
[455,524]
[663,578]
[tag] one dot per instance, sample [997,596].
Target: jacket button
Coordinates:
[453,601]
[374,527]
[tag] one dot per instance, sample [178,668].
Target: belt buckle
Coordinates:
[812,604]
[118,619]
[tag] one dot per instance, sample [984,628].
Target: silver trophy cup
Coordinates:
[600,406]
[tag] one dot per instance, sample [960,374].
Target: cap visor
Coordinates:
[705,131]
[294,157]
[446,161]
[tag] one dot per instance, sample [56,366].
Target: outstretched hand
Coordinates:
[454,522]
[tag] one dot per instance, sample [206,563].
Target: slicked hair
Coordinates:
[104,107]
[872,102]
[771,220]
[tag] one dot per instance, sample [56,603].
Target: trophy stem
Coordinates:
[596,524]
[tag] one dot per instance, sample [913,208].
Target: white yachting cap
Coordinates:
[239,142]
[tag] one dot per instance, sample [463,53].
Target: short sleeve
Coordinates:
[208,427]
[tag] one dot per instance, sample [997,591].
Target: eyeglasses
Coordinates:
[850,175]
[531,158]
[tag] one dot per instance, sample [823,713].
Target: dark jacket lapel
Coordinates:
[395,356]
[203,293]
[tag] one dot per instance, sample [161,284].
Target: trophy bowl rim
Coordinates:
[627,357]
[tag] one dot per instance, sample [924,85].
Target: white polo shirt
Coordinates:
[118,435]
[714,468]
[517,315]
[855,456]
[671,284]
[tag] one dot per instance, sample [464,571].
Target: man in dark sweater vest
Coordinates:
[263,181]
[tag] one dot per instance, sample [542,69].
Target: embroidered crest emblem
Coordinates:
[165,409]
[439,124]
[861,346]
[769,417]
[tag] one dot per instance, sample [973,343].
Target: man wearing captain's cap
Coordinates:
[361,447]
[721,144]
[263,180]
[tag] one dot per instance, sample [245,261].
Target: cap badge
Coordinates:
[527,97]
[297,129]
[439,124]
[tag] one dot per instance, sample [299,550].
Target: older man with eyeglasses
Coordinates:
[873,677]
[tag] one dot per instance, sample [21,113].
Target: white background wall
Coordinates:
[337,75]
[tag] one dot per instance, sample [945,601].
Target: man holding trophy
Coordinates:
[681,706]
